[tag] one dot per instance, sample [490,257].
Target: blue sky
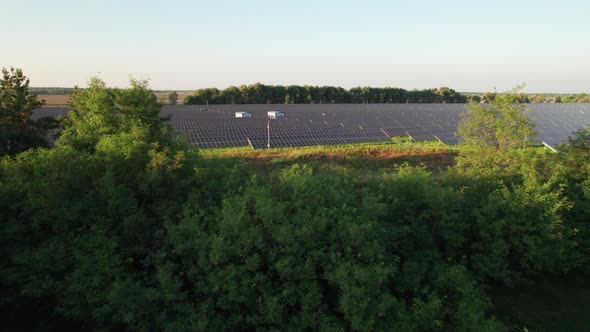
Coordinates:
[466,45]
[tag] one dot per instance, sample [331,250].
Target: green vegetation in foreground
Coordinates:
[552,303]
[121,227]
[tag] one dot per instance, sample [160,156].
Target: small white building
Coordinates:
[243,115]
[276,114]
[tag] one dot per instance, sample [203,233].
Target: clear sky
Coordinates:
[466,45]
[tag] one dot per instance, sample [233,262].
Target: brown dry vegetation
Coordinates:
[357,158]
[61,100]
[163,96]
[54,100]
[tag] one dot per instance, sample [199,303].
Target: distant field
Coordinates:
[54,100]
[61,99]
[163,96]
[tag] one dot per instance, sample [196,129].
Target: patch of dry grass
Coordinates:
[163,96]
[359,157]
[61,100]
[54,100]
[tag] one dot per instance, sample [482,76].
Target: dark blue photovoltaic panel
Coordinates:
[216,126]
[420,134]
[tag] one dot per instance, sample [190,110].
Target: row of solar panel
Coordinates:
[216,126]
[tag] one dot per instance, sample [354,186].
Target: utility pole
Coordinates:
[268,133]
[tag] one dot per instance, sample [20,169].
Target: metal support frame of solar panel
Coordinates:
[420,134]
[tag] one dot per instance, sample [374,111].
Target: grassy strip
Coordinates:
[360,158]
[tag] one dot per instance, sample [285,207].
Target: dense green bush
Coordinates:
[142,246]
[148,240]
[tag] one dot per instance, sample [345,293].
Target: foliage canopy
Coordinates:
[173,98]
[294,94]
[97,111]
[503,124]
[18,132]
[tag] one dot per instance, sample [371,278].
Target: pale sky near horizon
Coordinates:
[465,45]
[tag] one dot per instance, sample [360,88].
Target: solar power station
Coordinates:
[260,126]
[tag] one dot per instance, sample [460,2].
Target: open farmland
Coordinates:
[320,124]
[62,99]
[53,99]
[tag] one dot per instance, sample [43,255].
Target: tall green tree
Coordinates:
[573,169]
[502,124]
[98,111]
[173,98]
[18,132]
[488,97]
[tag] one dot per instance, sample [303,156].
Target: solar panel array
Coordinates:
[49,112]
[52,112]
[555,122]
[216,126]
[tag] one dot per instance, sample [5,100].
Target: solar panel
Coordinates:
[312,124]
[420,134]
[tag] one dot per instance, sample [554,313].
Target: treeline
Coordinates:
[296,94]
[532,98]
[581,98]
[51,91]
